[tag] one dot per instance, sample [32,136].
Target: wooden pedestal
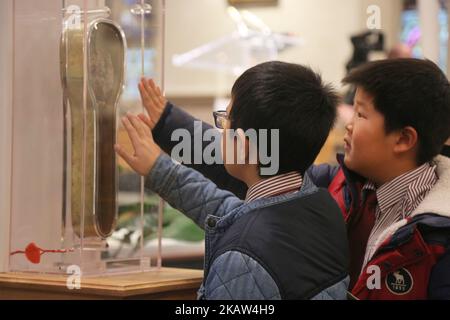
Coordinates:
[166,284]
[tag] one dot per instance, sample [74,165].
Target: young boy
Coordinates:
[402,112]
[287,240]
[390,186]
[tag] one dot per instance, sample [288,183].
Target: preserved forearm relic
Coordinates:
[91,122]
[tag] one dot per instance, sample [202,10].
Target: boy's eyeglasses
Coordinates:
[221,118]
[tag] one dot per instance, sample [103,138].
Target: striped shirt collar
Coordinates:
[397,200]
[275,186]
[406,188]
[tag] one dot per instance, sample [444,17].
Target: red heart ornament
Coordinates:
[33,253]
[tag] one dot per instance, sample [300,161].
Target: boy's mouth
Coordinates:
[347,144]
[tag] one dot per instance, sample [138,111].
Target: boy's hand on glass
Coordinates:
[146,151]
[153,100]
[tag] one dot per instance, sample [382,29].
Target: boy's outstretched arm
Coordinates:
[166,118]
[183,188]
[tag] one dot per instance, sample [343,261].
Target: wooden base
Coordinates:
[166,284]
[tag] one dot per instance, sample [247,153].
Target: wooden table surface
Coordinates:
[170,284]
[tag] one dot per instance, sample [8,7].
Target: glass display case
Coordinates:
[76,69]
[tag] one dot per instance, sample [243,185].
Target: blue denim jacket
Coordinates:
[233,275]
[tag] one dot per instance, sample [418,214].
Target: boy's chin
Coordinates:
[348,161]
[352,165]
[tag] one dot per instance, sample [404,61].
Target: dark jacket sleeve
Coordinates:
[439,284]
[174,118]
[322,175]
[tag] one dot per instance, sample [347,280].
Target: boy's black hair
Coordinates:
[409,92]
[291,98]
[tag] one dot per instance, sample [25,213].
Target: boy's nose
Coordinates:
[349,127]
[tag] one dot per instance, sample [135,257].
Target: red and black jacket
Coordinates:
[413,261]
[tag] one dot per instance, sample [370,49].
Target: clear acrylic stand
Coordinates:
[66,201]
[253,42]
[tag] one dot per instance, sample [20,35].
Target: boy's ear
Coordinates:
[245,148]
[407,140]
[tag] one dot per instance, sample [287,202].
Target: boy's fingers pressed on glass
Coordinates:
[152,84]
[137,124]
[147,100]
[143,130]
[132,133]
[147,121]
[144,95]
[153,93]
[149,88]
[162,99]
[123,154]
